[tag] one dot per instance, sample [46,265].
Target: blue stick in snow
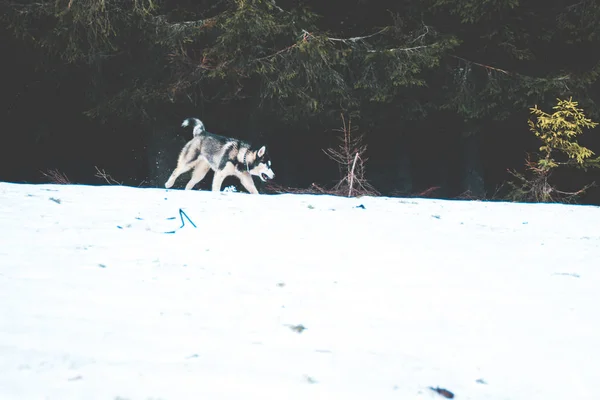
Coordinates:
[183,214]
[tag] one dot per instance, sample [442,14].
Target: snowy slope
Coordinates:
[487,300]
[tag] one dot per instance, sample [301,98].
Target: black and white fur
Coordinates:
[224,155]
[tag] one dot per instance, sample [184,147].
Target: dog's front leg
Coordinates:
[248,183]
[218,181]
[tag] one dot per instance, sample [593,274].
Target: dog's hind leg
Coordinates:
[248,183]
[178,171]
[198,174]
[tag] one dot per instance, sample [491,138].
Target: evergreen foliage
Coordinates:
[527,46]
[558,132]
[243,49]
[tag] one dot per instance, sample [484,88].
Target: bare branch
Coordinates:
[55,176]
[357,38]
[422,36]
[406,49]
[351,163]
[481,65]
[104,175]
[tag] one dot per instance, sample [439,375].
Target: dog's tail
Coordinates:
[196,124]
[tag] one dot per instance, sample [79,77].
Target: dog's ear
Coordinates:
[261,151]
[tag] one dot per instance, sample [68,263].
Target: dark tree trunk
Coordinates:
[473,180]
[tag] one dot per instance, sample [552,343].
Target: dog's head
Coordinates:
[261,166]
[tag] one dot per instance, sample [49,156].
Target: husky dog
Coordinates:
[226,156]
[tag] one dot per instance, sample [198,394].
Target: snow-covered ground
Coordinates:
[103,295]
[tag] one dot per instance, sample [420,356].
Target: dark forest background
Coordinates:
[441,89]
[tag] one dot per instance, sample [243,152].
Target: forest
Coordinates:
[451,99]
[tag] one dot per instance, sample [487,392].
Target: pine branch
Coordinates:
[481,65]
[488,67]
[406,49]
[357,38]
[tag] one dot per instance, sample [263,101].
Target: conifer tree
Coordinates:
[558,133]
